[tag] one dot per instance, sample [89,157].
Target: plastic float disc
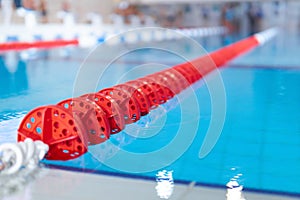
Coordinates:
[180,80]
[56,127]
[96,126]
[185,73]
[192,71]
[127,103]
[189,72]
[203,65]
[112,110]
[162,91]
[196,75]
[170,82]
[139,96]
[161,81]
[148,90]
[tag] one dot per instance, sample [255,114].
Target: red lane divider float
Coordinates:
[73,124]
[36,44]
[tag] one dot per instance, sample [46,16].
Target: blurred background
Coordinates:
[237,16]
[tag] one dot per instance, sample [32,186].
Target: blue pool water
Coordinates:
[259,143]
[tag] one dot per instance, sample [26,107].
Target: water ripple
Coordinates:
[8,127]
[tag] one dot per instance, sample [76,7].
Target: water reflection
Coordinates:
[13,75]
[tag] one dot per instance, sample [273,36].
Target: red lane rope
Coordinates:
[73,124]
[37,44]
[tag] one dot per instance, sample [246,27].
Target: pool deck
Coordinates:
[61,184]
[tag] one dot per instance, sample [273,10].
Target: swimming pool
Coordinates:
[260,141]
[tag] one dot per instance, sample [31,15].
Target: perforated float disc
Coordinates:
[111,108]
[139,96]
[56,127]
[189,72]
[148,90]
[171,86]
[96,126]
[159,82]
[127,103]
[180,82]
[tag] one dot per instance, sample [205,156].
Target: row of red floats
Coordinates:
[71,125]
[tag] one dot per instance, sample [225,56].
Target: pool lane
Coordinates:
[260,139]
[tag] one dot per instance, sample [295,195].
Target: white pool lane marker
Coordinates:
[88,36]
[265,36]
